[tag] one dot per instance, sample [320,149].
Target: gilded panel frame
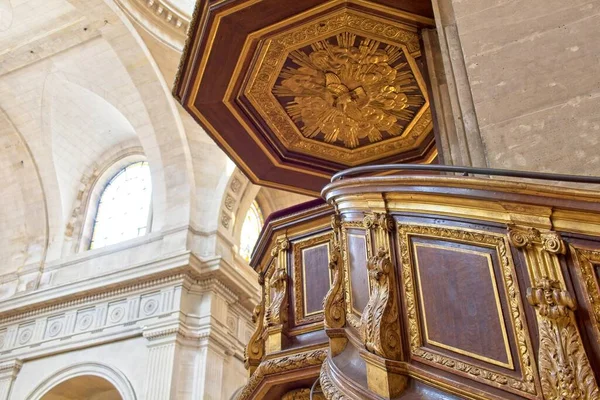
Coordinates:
[300,315]
[526,385]
[509,364]
[585,259]
[353,315]
[269,62]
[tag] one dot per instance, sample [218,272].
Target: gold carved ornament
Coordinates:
[301,394]
[526,383]
[276,313]
[255,349]
[330,391]
[334,303]
[299,282]
[564,368]
[280,365]
[347,92]
[380,328]
[585,260]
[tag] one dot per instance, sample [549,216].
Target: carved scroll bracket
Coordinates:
[255,349]
[334,303]
[380,325]
[564,368]
[276,310]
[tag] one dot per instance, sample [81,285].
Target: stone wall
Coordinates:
[533,71]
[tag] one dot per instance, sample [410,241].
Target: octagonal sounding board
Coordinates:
[295,91]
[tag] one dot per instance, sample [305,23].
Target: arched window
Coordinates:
[250,230]
[124,209]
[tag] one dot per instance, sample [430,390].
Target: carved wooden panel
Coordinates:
[312,278]
[586,266]
[463,307]
[357,280]
[459,300]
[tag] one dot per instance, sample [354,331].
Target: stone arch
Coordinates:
[80,225]
[165,144]
[23,207]
[91,127]
[231,199]
[111,374]
[238,195]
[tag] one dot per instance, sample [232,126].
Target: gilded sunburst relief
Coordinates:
[348,90]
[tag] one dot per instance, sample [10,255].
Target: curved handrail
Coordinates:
[465,170]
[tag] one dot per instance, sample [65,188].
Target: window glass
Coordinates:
[124,207]
[250,230]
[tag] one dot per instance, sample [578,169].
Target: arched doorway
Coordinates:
[84,387]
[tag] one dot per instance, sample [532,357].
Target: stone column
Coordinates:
[8,374]
[456,120]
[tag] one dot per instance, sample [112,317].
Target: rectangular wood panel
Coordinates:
[359,285]
[463,309]
[316,277]
[311,278]
[460,301]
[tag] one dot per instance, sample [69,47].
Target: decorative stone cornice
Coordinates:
[10,369]
[209,274]
[78,300]
[160,18]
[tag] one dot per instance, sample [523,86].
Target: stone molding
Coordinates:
[108,313]
[10,369]
[160,18]
[167,268]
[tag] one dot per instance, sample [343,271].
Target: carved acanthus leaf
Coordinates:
[330,391]
[276,312]
[334,303]
[280,365]
[564,367]
[255,349]
[379,321]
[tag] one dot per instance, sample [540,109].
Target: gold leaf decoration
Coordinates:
[355,91]
[280,365]
[379,321]
[526,383]
[564,368]
[276,312]
[330,391]
[255,349]
[334,302]
[587,260]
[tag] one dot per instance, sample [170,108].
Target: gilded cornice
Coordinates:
[494,200]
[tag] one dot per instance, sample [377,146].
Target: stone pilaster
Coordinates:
[8,374]
[163,363]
